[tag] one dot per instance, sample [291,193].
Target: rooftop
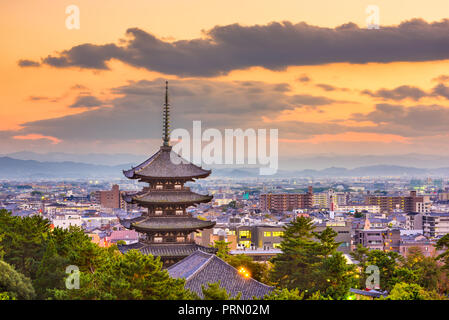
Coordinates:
[201,268]
[166,164]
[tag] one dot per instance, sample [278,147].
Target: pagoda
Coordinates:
[168,228]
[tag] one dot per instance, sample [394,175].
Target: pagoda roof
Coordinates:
[166,250]
[158,224]
[201,268]
[166,164]
[155,197]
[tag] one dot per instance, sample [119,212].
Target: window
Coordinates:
[278,233]
[231,232]
[267,234]
[276,245]
[245,234]
[246,244]
[158,239]
[180,239]
[159,187]
[158,212]
[179,212]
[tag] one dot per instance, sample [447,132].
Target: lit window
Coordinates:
[267,234]
[278,233]
[276,245]
[246,244]
[245,234]
[158,239]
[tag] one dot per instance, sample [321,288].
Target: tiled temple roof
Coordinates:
[166,164]
[155,197]
[166,250]
[155,224]
[201,268]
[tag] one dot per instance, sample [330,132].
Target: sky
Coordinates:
[311,69]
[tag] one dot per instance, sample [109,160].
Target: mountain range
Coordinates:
[11,168]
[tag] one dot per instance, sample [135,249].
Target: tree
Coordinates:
[215,292]
[416,268]
[14,285]
[309,261]
[412,291]
[284,294]
[443,244]
[129,276]
[22,241]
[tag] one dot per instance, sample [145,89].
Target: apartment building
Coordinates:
[388,204]
[280,202]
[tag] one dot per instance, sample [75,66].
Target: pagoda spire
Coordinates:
[166,118]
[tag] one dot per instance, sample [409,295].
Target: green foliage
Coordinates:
[309,261]
[443,244]
[215,292]
[416,268]
[412,291]
[14,285]
[22,241]
[387,262]
[130,276]
[284,294]
[223,248]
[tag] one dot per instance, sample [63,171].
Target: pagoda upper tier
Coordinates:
[166,165]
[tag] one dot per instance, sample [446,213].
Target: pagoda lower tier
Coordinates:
[169,253]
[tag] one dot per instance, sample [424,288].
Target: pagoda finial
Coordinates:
[166,129]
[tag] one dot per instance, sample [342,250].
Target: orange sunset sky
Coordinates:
[312,69]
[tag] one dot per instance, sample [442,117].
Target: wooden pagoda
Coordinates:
[168,228]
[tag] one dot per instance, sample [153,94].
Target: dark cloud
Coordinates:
[408,92]
[441,90]
[86,102]
[304,78]
[421,120]
[28,63]
[136,112]
[328,87]
[274,46]
[399,93]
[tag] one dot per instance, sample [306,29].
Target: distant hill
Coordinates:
[21,169]
[11,168]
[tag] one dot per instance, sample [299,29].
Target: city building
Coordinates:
[281,202]
[389,204]
[435,224]
[378,239]
[108,199]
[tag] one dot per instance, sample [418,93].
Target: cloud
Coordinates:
[420,120]
[273,46]
[399,93]
[441,90]
[408,92]
[135,112]
[304,78]
[28,63]
[86,101]
[328,87]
